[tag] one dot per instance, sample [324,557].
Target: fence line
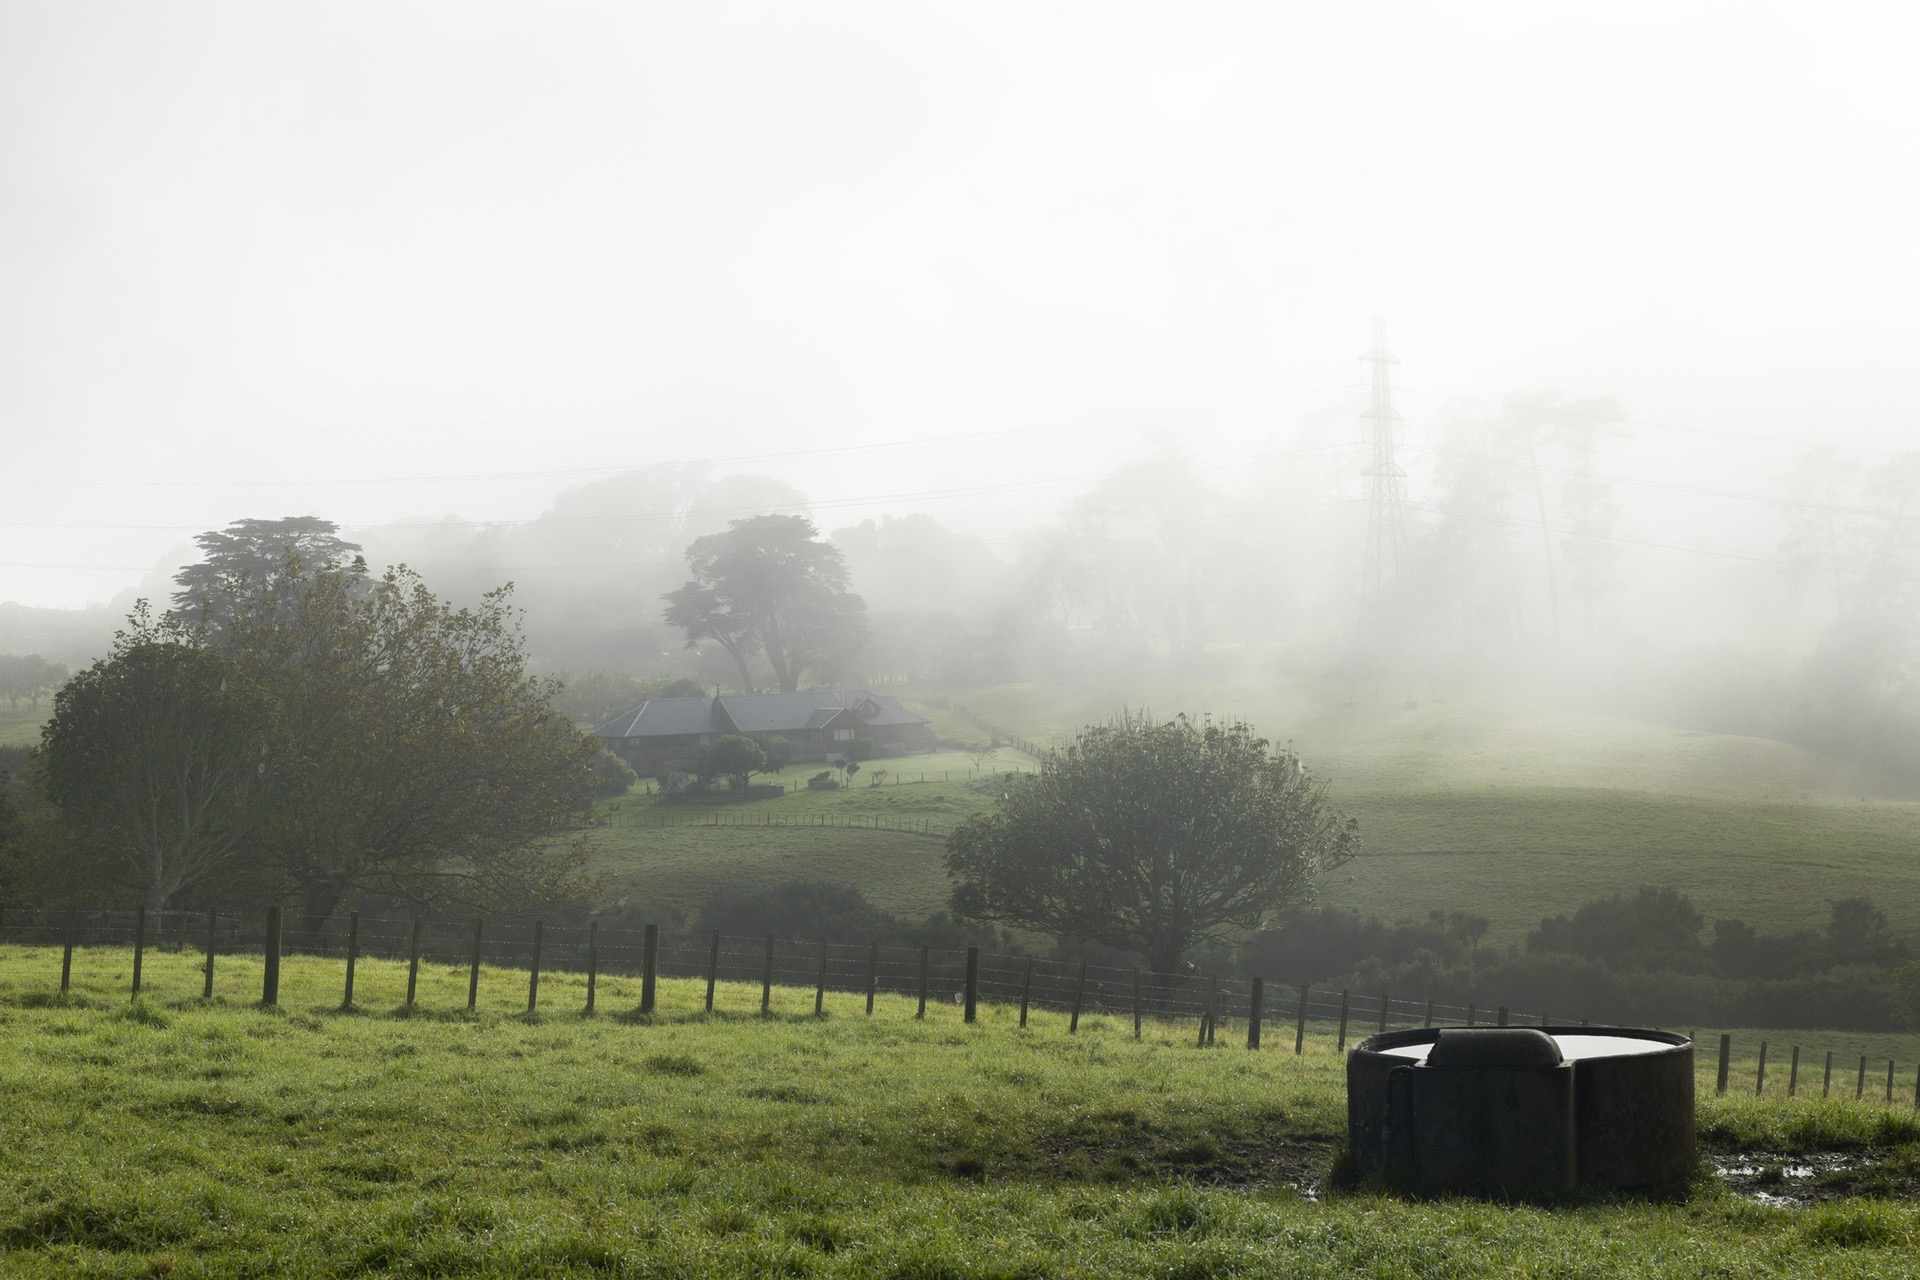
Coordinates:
[1217,1005]
[1007,736]
[900,826]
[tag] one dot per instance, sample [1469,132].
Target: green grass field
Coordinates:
[212,1138]
[1514,812]
[20,726]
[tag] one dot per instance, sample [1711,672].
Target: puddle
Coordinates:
[1788,1181]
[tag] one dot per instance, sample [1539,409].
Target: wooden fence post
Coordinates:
[1300,1029]
[766,981]
[270,980]
[413,960]
[1793,1071]
[1342,1046]
[1889,1081]
[973,982]
[1213,1006]
[66,955]
[926,954]
[873,974]
[820,983]
[473,971]
[713,969]
[1860,1085]
[593,962]
[1138,1010]
[1079,993]
[1916,1090]
[1760,1078]
[1726,1056]
[353,957]
[649,967]
[1469,1015]
[1026,989]
[139,945]
[1503,1015]
[533,976]
[1254,999]
[1429,1021]
[213,940]
[1384,1002]
[1826,1082]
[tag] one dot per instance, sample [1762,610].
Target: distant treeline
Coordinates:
[1645,958]
[1641,958]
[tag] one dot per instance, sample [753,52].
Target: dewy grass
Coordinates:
[214,1138]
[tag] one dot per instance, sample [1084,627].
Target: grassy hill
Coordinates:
[1514,811]
[211,1138]
[1480,804]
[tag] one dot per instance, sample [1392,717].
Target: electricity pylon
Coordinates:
[1387,487]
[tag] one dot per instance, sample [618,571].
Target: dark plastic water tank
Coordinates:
[1522,1112]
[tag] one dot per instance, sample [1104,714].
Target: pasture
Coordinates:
[211,1138]
[1514,812]
[20,726]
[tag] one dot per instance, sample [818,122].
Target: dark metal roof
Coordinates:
[756,713]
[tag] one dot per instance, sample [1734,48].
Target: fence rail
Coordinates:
[1216,1006]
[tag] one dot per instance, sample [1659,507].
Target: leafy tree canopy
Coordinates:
[161,756]
[732,757]
[250,555]
[769,586]
[428,763]
[1151,837]
[1657,926]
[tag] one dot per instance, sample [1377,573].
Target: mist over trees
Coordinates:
[30,677]
[1534,560]
[768,590]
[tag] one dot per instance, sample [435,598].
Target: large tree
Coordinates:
[159,758]
[250,555]
[428,763]
[770,586]
[1151,837]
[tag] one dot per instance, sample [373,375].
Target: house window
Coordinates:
[843,735]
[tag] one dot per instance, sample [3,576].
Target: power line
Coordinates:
[971,437]
[1604,419]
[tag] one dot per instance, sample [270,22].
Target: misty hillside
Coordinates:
[1474,740]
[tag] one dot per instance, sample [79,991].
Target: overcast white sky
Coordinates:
[389,260]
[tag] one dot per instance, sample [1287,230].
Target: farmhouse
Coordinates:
[667,733]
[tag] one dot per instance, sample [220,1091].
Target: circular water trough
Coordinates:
[1522,1112]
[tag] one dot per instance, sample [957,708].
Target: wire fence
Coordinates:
[1007,736]
[765,971]
[855,822]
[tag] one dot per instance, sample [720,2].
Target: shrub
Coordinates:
[823,781]
[610,776]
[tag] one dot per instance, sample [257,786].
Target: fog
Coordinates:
[1050,316]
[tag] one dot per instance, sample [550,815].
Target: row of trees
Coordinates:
[1649,957]
[297,725]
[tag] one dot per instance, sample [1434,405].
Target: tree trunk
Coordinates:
[739,660]
[318,899]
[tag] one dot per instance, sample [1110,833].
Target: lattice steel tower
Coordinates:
[1387,488]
